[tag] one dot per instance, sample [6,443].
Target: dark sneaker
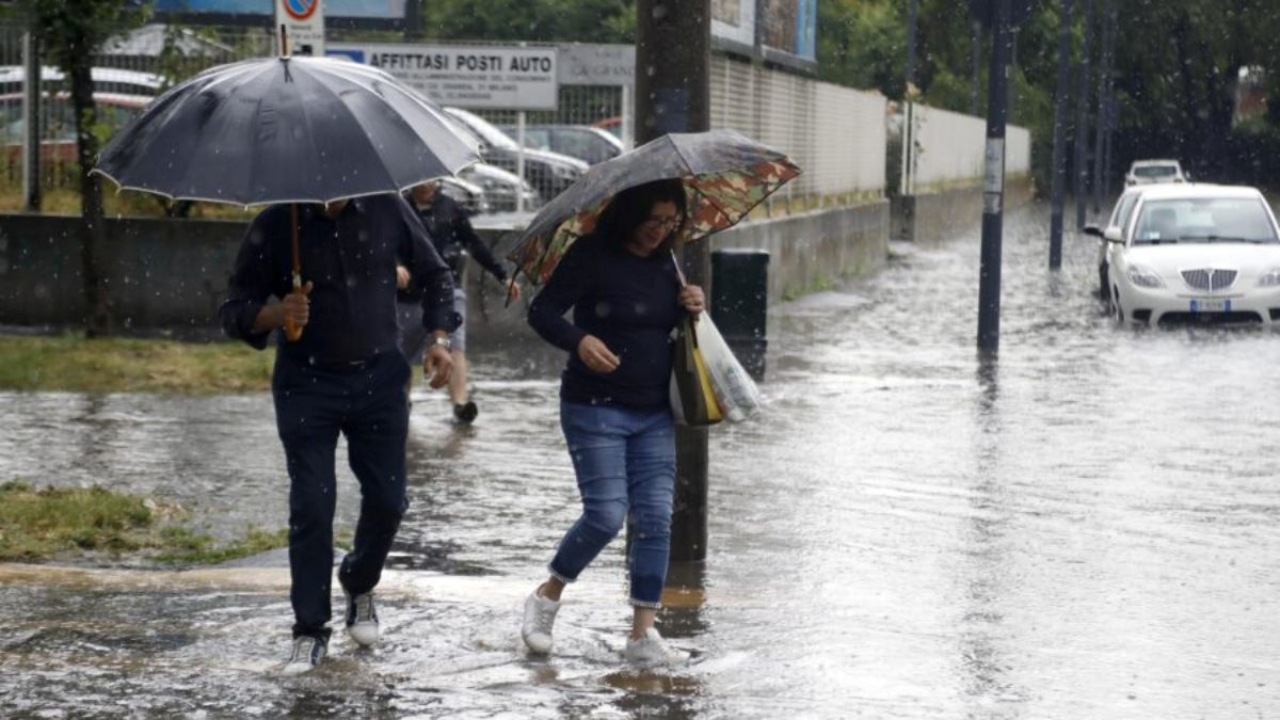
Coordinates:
[465,414]
[308,651]
[362,618]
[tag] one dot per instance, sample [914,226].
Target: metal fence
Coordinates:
[945,149]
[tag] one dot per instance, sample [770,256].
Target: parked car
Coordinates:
[1150,172]
[588,144]
[119,96]
[549,173]
[467,194]
[1195,253]
[1120,215]
[501,188]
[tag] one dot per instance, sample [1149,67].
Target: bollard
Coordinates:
[740,303]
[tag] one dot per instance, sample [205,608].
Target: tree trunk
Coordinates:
[99,310]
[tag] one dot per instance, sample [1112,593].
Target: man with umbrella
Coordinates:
[344,374]
[328,145]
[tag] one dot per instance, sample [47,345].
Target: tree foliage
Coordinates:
[586,21]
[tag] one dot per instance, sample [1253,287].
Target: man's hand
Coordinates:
[595,355]
[295,308]
[437,365]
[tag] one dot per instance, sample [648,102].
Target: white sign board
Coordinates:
[597,64]
[483,76]
[303,21]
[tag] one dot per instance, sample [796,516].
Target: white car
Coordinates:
[1194,253]
[1151,172]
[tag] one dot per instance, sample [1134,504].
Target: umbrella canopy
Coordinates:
[725,174]
[286,129]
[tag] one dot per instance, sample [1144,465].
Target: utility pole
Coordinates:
[31,120]
[1002,17]
[1082,118]
[1060,106]
[975,57]
[673,68]
[910,80]
[1099,124]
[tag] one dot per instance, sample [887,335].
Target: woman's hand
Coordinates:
[692,299]
[593,353]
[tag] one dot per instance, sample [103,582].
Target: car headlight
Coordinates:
[1143,277]
[1270,279]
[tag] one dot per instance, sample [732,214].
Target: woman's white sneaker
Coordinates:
[539,617]
[652,650]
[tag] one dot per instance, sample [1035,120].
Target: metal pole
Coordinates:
[1082,119]
[910,78]
[993,183]
[975,52]
[1060,137]
[31,119]
[673,62]
[1099,125]
[1108,111]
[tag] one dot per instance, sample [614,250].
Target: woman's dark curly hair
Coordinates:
[631,207]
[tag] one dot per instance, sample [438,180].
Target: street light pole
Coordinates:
[993,182]
[1060,138]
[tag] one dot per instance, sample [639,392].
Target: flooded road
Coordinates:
[1085,528]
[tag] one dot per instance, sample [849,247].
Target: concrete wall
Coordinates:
[170,275]
[932,217]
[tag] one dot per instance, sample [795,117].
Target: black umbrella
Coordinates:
[287,129]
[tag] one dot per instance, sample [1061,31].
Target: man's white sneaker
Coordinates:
[308,651]
[652,650]
[362,619]
[539,617]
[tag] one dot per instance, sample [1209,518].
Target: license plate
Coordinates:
[1210,305]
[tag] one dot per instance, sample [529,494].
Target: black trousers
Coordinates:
[368,403]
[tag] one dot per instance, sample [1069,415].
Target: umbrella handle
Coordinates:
[292,331]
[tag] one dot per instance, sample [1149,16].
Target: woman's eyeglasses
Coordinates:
[665,224]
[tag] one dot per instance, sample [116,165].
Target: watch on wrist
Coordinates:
[444,342]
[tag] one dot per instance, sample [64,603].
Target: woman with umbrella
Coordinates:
[627,296]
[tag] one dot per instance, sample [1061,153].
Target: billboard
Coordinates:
[784,31]
[264,10]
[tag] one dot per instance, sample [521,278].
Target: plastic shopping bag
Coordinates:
[693,402]
[736,393]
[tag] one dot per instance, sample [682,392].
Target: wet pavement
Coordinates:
[1084,528]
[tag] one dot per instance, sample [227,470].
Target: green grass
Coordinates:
[74,363]
[76,523]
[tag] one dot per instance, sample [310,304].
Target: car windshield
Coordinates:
[1204,220]
[1155,171]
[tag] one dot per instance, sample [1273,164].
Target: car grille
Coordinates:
[1209,279]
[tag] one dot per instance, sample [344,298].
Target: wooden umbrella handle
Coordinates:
[292,331]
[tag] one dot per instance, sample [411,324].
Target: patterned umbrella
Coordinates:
[725,174]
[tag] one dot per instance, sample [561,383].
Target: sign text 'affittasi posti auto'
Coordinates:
[485,76]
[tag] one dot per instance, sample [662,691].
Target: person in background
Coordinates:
[451,232]
[624,288]
[344,375]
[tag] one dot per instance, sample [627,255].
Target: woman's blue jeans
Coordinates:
[625,461]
